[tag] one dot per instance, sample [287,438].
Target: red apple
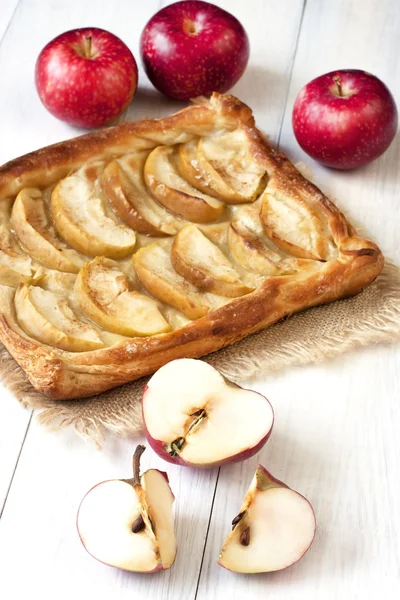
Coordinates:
[194,417]
[86,77]
[345,119]
[193,48]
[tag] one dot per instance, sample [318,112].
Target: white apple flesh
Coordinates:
[273,530]
[128,523]
[195,417]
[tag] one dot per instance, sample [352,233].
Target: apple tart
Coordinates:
[125,248]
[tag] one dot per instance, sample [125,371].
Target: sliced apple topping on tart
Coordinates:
[211,166]
[294,224]
[15,266]
[104,297]
[157,275]
[47,317]
[35,232]
[202,263]
[124,187]
[174,193]
[84,221]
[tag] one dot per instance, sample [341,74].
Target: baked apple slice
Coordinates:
[125,189]
[36,233]
[104,297]
[197,169]
[81,218]
[223,166]
[47,317]
[155,271]
[293,224]
[202,263]
[172,191]
[15,266]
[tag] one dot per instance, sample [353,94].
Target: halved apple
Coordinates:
[293,224]
[125,189]
[273,530]
[15,266]
[47,317]
[172,191]
[128,523]
[35,232]
[104,297]
[202,263]
[81,218]
[197,169]
[195,417]
[155,271]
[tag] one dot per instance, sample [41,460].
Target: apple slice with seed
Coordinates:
[273,530]
[36,234]
[202,263]
[128,523]
[207,420]
[175,193]
[104,297]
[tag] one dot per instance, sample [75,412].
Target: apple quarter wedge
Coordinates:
[273,529]
[128,523]
[175,193]
[195,417]
[104,297]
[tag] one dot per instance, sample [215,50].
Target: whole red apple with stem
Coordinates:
[86,77]
[345,119]
[193,48]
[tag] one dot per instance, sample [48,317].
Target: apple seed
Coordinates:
[245,537]
[138,525]
[238,518]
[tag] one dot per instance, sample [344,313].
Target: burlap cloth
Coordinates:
[308,337]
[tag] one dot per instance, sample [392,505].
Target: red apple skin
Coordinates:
[349,130]
[282,484]
[159,446]
[86,92]
[193,48]
[159,567]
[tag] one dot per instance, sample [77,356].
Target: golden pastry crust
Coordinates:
[345,263]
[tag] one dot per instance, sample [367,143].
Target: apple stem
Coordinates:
[88,46]
[136,464]
[338,82]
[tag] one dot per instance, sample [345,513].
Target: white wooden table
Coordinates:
[336,437]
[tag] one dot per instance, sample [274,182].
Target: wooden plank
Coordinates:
[56,470]
[8,9]
[14,420]
[54,473]
[14,423]
[335,436]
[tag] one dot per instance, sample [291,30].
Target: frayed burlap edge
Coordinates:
[308,337]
